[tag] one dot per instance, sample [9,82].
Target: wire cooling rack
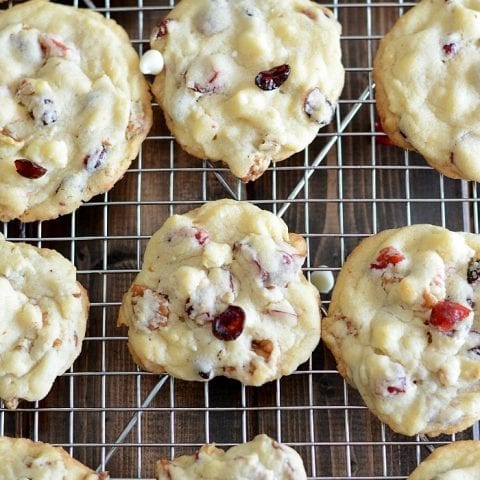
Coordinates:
[347,185]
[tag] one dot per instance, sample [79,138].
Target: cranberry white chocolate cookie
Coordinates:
[262,457]
[427,85]
[43,317]
[24,459]
[221,292]
[248,82]
[404,327]
[455,461]
[74,108]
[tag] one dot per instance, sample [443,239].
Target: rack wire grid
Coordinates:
[348,184]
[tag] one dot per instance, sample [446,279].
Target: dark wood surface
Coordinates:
[359,188]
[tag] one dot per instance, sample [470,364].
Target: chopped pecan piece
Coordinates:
[150,308]
[263,348]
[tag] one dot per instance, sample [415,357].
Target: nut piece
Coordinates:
[263,348]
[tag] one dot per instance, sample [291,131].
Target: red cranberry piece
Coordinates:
[201,235]
[394,390]
[446,314]
[210,85]
[274,78]
[450,49]
[96,159]
[387,256]
[473,270]
[29,169]
[52,47]
[264,275]
[161,29]
[391,387]
[381,139]
[229,324]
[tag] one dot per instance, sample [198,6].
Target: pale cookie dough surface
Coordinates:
[427,85]
[74,108]
[261,458]
[24,459]
[42,320]
[404,329]
[455,461]
[215,49]
[221,292]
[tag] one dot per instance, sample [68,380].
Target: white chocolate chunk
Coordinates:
[151,62]
[323,280]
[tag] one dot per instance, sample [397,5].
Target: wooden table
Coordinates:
[344,187]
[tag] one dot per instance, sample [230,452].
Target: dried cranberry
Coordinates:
[96,159]
[29,169]
[450,49]
[381,139]
[264,275]
[52,47]
[387,256]
[393,390]
[161,29]
[389,387]
[211,85]
[228,325]
[446,314]
[473,270]
[274,78]
[201,235]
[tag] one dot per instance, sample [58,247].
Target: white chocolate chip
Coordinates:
[323,280]
[151,62]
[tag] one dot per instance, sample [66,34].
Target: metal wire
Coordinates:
[116,417]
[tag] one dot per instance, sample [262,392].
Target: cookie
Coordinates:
[262,457]
[248,82]
[42,322]
[426,85]
[221,292]
[24,459]
[75,108]
[404,329]
[455,461]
